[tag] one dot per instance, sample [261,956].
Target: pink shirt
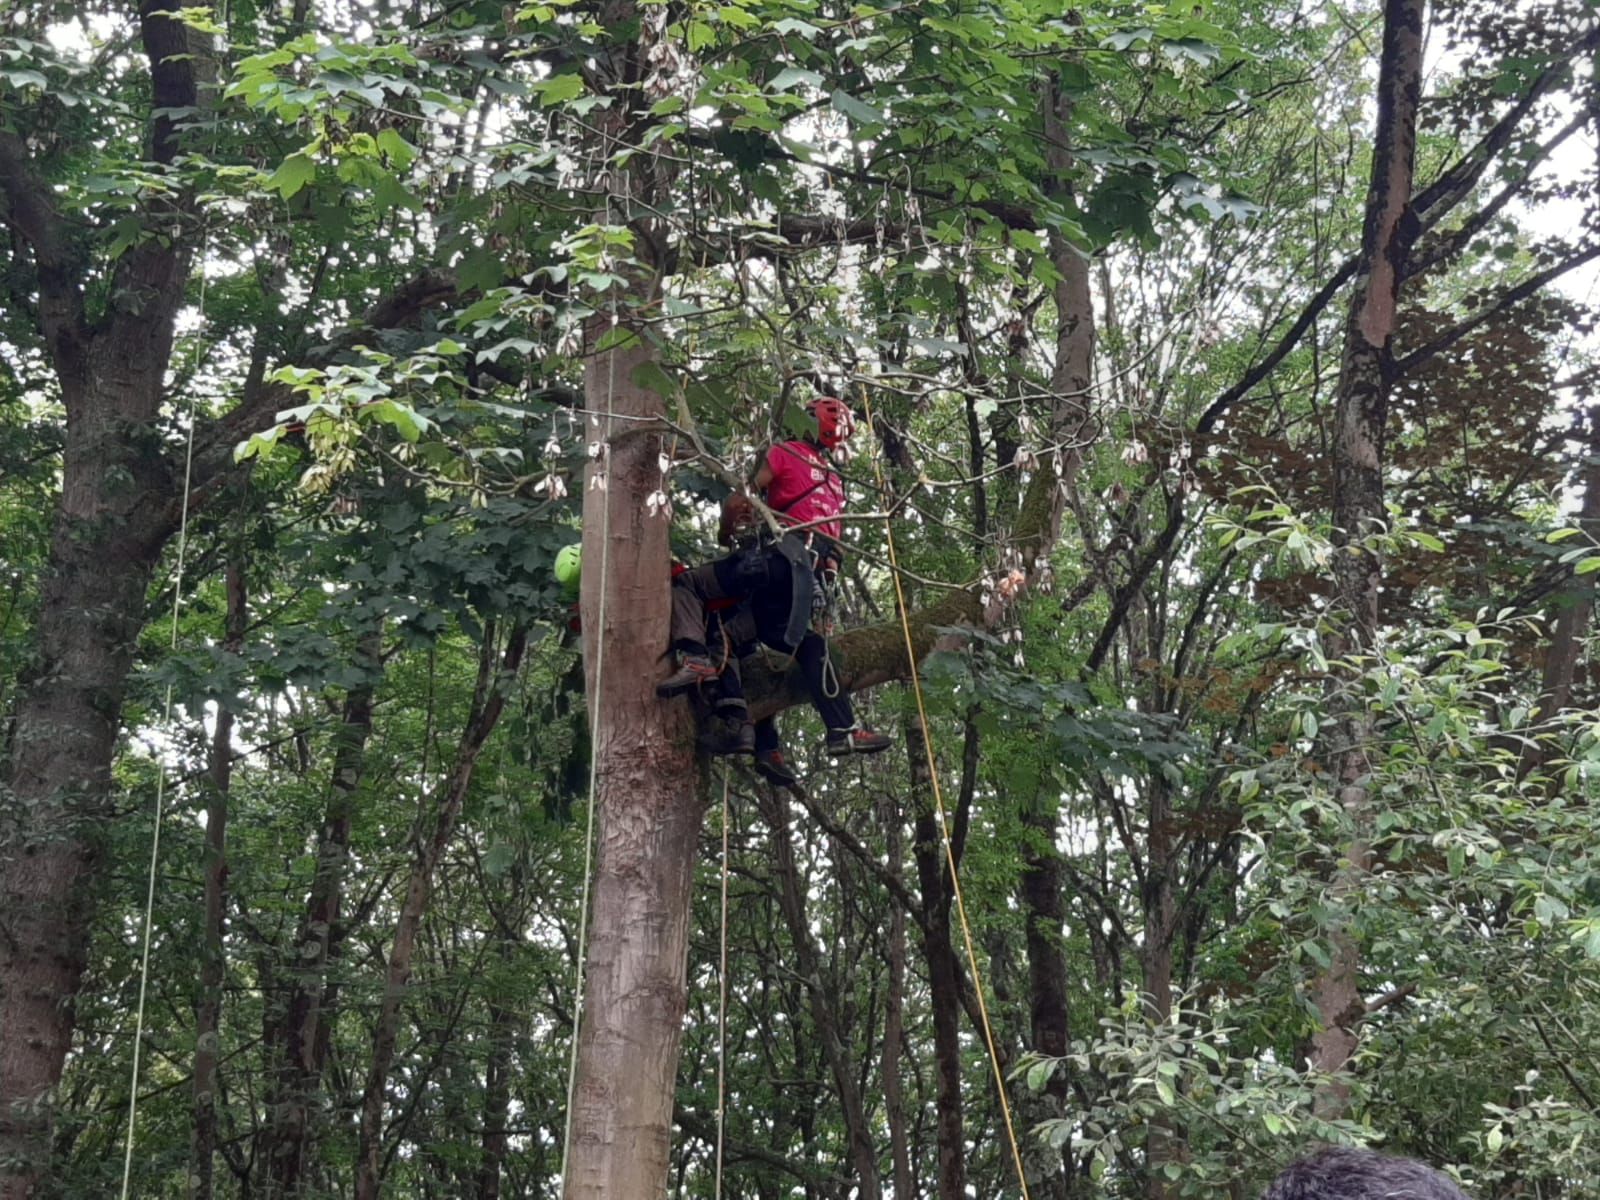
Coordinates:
[805,487]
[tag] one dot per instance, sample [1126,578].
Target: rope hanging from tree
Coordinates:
[604,467]
[161,768]
[944,829]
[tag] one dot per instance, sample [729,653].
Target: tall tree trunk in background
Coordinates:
[213,963]
[504,1022]
[488,702]
[1155,958]
[1574,609]
[298,1049]
[1361,413]
[791,898]
[1045,915]
[1072,378]
[944,974]
[109,527]
[894,1012]
[1042,881]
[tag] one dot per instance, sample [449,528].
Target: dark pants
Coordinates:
[761,617]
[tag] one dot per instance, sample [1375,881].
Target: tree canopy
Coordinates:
[1224,376]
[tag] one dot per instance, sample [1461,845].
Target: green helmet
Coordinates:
[569,567]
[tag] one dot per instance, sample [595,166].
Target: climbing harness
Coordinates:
[944,829]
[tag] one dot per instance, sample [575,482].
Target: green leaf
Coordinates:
[558,89]
[794,25]
[402,419]
[858,111]
[793,77]
[1129,38]
[651,376]
[700,35]
[396,148]
[1039,1074]
[617,337]
[260,444]
[293,173]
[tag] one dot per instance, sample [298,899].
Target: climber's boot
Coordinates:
[855,741]
[694,670]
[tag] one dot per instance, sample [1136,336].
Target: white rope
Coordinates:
[594,757]
[161,766]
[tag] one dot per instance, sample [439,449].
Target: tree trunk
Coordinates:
[298,1035]
[504,1022]
[1361,412]
[1155,954]
[91,609]
[648,812]
[488,702]
[213,962]
[944,976]
[1574,606]
[791,897]
[894,1014]
[107,533]
[1045,915]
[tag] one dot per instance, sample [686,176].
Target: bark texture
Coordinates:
[944,975]
[648,812]
[108,531]
[894,1015]
[1361,413]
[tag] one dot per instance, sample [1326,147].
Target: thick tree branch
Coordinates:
[172,50]
[28,208]
[1286,343]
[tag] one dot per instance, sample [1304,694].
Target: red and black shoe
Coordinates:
[694,670]
[855,741]
[771,767]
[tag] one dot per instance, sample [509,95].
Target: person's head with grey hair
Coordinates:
[1343,1174]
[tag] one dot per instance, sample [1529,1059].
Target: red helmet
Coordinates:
[835,421]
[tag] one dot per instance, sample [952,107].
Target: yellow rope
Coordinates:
[944,831]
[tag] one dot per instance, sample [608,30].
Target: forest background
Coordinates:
[1230,377]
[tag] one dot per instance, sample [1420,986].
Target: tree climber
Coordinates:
[783,582]
[729,731]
